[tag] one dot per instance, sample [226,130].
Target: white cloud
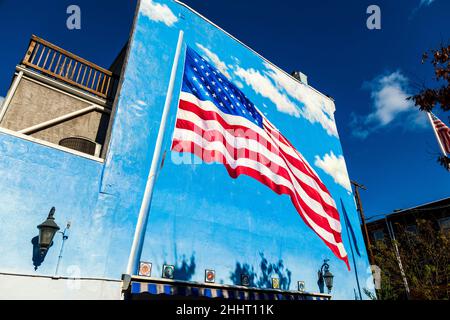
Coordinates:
[419,119]
[214,58]
[336,168]
[423,3]
[1,101]
[389,95]
[158,12]
[426,2]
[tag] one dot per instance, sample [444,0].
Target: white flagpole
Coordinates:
[141,226]
[436,134]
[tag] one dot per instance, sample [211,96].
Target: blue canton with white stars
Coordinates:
[207,83]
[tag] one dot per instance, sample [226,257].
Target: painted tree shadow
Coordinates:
[185,269]
[267,272]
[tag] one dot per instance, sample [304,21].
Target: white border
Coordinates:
[50,145]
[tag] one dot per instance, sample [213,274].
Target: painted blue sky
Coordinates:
[387,145]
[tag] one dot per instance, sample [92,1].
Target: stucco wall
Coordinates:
[15,287]
[34,103]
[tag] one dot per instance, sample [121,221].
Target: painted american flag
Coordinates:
[218,123]
[443,132]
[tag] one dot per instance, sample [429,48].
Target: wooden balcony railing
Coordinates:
[55,62]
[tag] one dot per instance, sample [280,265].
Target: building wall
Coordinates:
[436,212]
[34,103]
[200,217]
[16,287]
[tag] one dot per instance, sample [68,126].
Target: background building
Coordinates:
[84,146]
[410,247]
[437,212]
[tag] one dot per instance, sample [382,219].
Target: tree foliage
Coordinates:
[429,98]
[425,259]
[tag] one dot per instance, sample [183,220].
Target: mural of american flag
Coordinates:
[218,123]
[443,132]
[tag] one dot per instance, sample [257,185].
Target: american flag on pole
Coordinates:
[443,132]
[218,123]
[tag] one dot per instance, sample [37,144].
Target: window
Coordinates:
[411,228]
[444,224]
[378,235]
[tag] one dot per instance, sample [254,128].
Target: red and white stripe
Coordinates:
[443,132]
[263,154]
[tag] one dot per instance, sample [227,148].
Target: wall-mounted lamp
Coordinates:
[47,231]
[325,277]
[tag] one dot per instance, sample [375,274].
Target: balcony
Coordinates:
[61,99]
[60,64]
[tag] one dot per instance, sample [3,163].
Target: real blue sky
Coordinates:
[387,145]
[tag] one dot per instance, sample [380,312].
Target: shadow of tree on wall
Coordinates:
[184,269]
[267,272]
[243,269]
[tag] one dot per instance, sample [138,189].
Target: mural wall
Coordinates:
[200,217]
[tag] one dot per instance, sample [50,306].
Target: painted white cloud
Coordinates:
[262,85]
[389,95]
[215,60]
[316,108]
[141,103]
[239,84]
[288,95]
[158,12]
[336,168]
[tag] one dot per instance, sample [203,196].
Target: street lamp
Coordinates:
[47,231]
[325,277]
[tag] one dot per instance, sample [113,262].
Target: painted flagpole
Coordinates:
[347,221]
[436,134]
[141,226]
[354,263]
